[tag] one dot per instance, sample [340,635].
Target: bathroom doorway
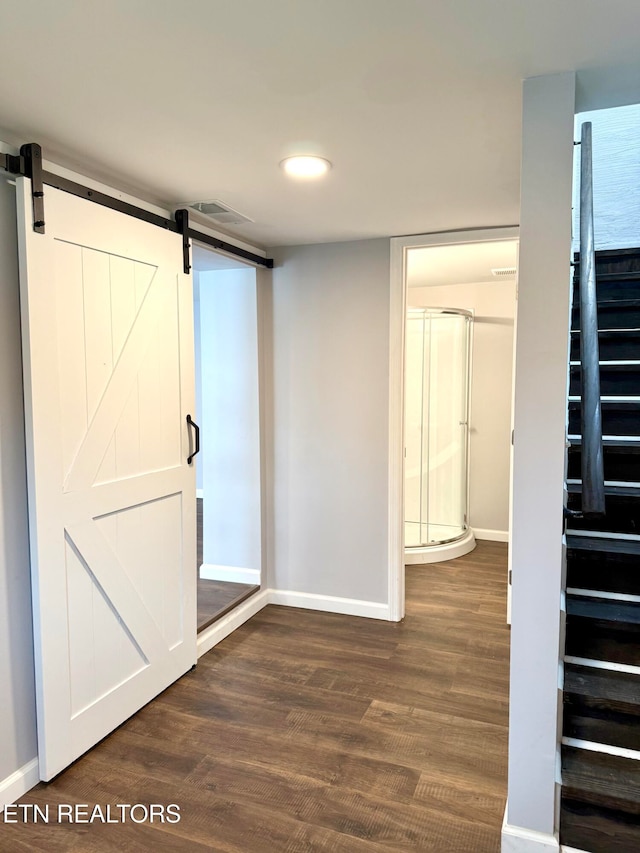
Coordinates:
[451,395]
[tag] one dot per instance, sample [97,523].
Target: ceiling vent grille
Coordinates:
[219,212]
[503,272]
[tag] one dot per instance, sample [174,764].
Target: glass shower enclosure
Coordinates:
[436,428]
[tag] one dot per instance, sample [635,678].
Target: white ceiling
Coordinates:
[468,263]
[416,102]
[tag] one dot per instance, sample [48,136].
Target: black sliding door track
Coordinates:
[29,164]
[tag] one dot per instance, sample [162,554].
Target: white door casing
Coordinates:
[109,379]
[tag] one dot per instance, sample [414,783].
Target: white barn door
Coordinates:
[109,380]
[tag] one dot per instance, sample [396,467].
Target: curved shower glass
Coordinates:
[436,425]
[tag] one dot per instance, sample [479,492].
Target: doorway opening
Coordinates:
[453,299]
[228,467]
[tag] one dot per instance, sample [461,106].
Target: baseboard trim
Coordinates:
[14,786]
[518,839]
[230,574]
[330,604]
[491,535]
[213,635]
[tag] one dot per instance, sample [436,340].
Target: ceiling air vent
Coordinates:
[219,212]
[503,272]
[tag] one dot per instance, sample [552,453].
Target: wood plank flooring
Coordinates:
[216,598]
[307,731]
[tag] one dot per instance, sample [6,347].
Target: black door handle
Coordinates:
[193,424]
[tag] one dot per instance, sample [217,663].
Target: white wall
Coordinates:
[17,703]
[538,458]
[232,531]
[616,173]
[490,422]
[330,366]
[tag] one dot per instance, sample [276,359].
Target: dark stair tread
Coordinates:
[599,543]
[587,827]
[603,610]
[601,778]
[605,685]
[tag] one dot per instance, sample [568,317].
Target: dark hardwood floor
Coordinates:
[307,731]
[216,598]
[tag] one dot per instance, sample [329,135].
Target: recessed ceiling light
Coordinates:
[305,166]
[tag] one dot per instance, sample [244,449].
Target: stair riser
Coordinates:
[599,830]
[617,418]
[611,317]
[606,780]
[622,515]
[612,288]
[604,641]
[600,725]
[617,381]
[620,464]
[618,346]
[603,572]
[612,261]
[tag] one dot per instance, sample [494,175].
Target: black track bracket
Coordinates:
[29,164]
[13,163]
[182,221]
[32,154]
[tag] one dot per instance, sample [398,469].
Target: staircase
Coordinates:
[600,801]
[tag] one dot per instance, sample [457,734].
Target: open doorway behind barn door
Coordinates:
[229,467]
[108,352]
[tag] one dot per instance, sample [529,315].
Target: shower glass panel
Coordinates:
[436,425]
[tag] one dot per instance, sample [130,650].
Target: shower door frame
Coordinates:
[397,315]
[468,315]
